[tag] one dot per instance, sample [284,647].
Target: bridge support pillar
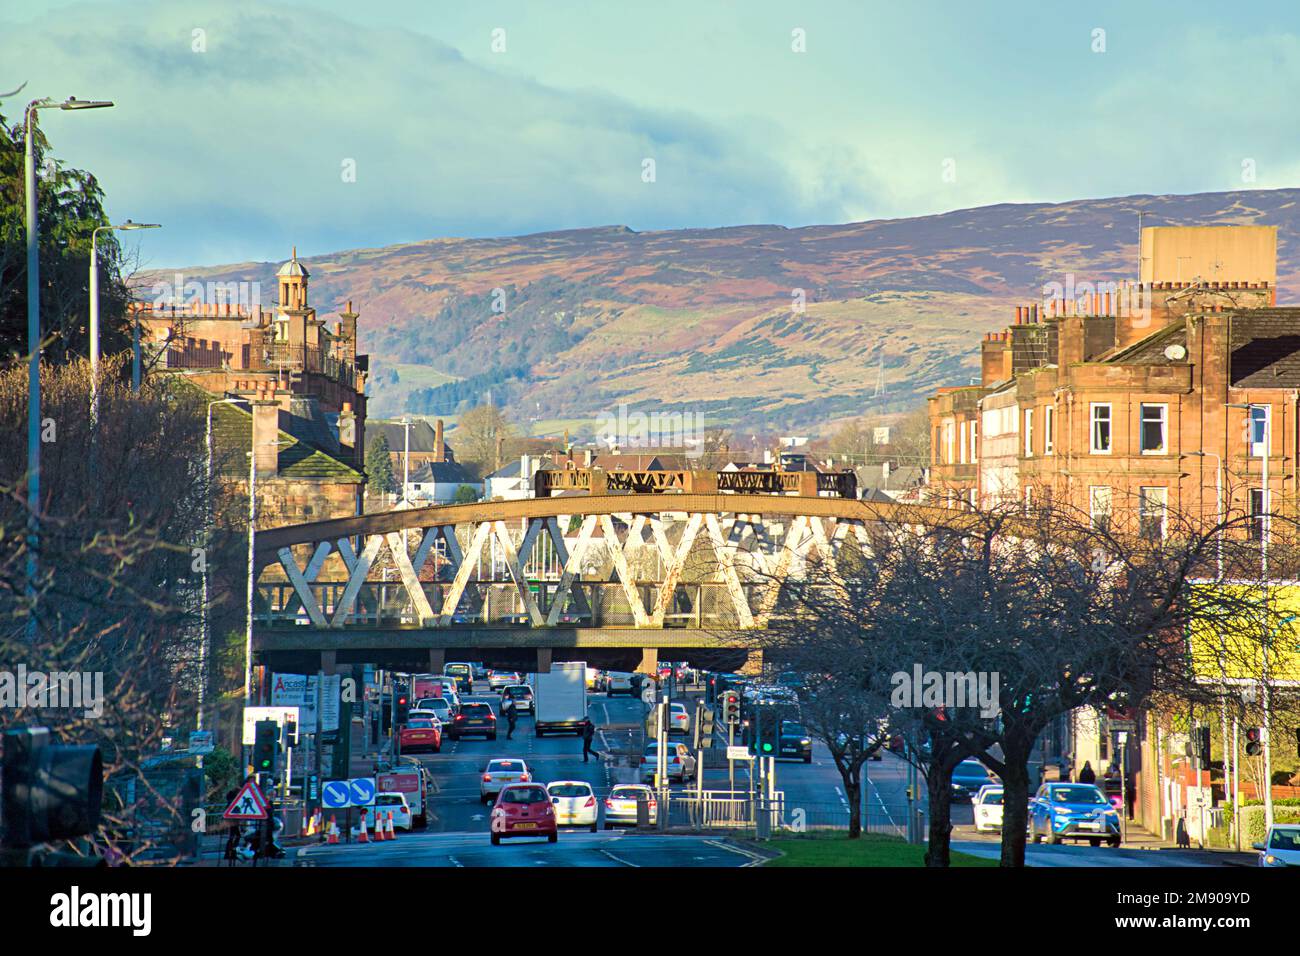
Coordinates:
[437,657]
[649,661]
[329,661]
[753,665]
[543,660]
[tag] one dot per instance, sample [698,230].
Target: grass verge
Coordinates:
[871,849]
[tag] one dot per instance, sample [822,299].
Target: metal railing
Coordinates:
[743,811]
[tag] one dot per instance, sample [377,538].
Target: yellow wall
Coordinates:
[1180,253]
[1242,642]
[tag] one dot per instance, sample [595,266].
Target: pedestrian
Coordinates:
[588,734]
[1087,774]
[511,719]
[232,832]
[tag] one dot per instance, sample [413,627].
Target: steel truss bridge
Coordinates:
[612,577]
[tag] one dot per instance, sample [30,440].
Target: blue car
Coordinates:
[1072,811]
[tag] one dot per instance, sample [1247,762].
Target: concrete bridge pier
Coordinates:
[753,665]
[649,661]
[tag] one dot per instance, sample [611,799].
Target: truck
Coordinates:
[410,782]
[560,698]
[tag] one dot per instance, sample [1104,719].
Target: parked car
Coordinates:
[500,680]
[523,809]
[500,773]
[1073,811]
[521,694]
[474,718]
[619,682]
[679,763]
[396,802]
[420,734]
[574,802]
[968,777]
[620,805]
[988,809]
[1281,846]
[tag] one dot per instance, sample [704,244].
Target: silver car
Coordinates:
[620,805]
[679,763]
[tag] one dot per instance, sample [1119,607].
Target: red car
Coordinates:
[420,734]
[523,809]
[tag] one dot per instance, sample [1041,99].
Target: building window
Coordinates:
[948,430]
[1099,506]
[974,498]
[1257,518]
[1048,437]
[1153,428]
[1153,505]
[1029,433]
[1100,443]
[1258,430]
[962,444]
[1029,498]
[974,443]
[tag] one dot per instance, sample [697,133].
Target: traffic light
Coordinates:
[51,791]
[706,725]
[291,734]
[403,708]
[768,742]
[730,707]
[1254,741]
[1297,740]
[266,736]
[1203,746]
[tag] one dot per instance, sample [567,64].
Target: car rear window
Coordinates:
[420,724]
[569,790]
[521,691]
[476,710]
[386,800]
[506,766]
[523,795]
[628,793]
[992,799]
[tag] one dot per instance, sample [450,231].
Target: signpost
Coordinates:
[201,742]
[346,794]
[739,753]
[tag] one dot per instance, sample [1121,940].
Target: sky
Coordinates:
[247,126]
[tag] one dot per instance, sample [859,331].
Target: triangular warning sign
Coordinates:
[249,804]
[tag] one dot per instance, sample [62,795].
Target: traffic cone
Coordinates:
[364,837]
[391,834]
[333,833]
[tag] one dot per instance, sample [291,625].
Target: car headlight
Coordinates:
[805,741]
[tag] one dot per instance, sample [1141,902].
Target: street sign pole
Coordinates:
[1123,786]
[731,763]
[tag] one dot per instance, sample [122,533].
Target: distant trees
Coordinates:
[478,434]
[465,494]
[380,479]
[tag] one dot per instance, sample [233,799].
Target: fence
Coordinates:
[739,810]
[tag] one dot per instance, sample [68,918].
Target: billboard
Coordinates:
[1232,649]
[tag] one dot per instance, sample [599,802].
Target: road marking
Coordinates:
[618,859]
[754,858]
[455,862]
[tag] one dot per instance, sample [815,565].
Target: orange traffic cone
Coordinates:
[391,834]
[333,832]
[364,837]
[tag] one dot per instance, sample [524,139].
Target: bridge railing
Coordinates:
[498,603]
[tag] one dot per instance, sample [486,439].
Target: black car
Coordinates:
[967,778]
[795,741]
[474,718]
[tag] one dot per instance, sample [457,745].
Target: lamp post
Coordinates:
[1265,506]
[94,314]
[34,337]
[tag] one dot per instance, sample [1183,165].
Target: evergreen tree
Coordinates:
[380,479]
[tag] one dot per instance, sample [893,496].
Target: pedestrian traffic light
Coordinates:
[1254,741]
[1203,746]
[266,735]
[730,707]
[50,791]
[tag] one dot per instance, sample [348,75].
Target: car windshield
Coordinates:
[1284,839]
[1077,795]
[968,768]
[792,729]
[992,799]
[569,790]
[523,795]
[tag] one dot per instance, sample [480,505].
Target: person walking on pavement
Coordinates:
[511,719]
[1087,775]
[588,734]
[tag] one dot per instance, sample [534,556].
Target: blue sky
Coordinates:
[240,149]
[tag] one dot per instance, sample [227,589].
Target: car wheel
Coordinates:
[552,837]
[496,839]
[609,826]
[1034,835]
[1113,841]
[593,828]
[482,798]
[537,731]
[1052,839]
[807,758]
[492,737]
[1095,841]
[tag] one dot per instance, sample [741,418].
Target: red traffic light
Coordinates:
[1254,741]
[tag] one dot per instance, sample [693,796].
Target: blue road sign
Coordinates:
[336,794]
[362,791]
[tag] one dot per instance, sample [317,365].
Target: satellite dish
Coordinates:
[1176,353]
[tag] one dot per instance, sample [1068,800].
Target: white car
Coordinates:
[988,809]
[679,719]
[521,694]
[384,802]
[498,774]
[500,680]
[620,805]
[439,707]
[1281,846]
[619,682]
[575,803]
[679,764]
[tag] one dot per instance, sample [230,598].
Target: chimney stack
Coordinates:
[437,440]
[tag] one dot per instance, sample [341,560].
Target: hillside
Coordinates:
[702,320]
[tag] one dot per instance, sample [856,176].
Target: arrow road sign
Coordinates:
[362,791]
[249,804]
[335,795]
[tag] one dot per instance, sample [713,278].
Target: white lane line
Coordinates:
[618,859]
[455,862]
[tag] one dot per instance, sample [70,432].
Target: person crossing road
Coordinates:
[512,718]
[589,734]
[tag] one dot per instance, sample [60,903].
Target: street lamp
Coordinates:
[34,336]
[1265,506]
[94,314]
